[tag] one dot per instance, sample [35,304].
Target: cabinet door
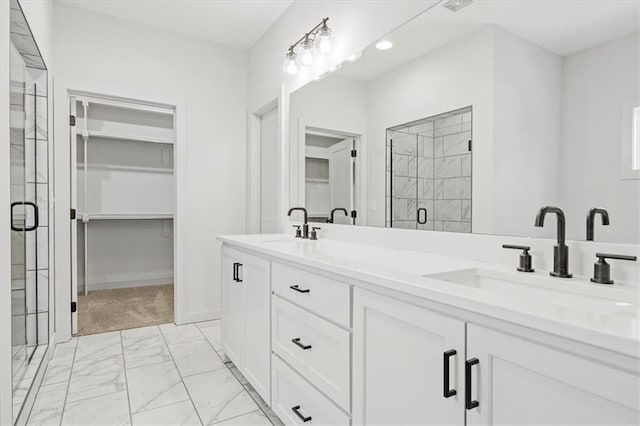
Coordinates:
[232,307]
[255,273]
[398,363]
[519,382]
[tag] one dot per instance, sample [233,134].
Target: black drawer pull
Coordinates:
[235,271]
[447,392]
[302,417]
[298,289]
[302,346]
[238,279]
[469,403]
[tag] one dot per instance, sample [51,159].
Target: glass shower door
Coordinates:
[402,180]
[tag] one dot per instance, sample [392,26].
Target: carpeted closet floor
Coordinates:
[124,308]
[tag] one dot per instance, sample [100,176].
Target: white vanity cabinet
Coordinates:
[246,311]
[517,381]
[400,356]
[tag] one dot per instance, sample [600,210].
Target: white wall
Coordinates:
[595,84]
[105,55]
[527,89]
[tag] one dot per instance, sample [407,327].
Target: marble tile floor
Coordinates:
[155,375]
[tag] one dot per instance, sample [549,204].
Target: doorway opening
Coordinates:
[122,192]
[329,172]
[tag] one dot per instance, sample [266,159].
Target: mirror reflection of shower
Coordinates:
[429,174]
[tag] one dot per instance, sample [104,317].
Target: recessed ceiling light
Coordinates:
[384,45]
[456,5]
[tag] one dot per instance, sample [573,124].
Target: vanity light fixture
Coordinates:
[384,45]
[317,41]
[456,5]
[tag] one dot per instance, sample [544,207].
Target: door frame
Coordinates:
[359,189]
[64,294]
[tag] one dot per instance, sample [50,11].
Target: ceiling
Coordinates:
[562,27]
[237,23]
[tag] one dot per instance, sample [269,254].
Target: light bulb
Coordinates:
[306,52]
[384,45]
[290,66]
[324,40]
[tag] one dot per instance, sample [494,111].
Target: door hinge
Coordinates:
[74,307]
[73,214]
[354,214]
[354,153]
[469,146]
[72,120]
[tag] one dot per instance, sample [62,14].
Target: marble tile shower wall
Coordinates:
[429,167]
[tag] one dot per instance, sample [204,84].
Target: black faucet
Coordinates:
[560,250]
[305,225]
[337,209]
[591,219]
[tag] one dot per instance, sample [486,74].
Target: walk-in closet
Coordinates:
[123,188]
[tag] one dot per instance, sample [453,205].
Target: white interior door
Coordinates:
[74,207]
[341,177]
[269,172]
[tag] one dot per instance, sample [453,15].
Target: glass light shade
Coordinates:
[290,66]
[306,53]
[324,40]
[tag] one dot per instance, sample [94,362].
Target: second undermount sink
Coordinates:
[540,288]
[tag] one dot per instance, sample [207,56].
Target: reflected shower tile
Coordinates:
[438,189]
[465,164]
[457,227]
[457,144]
[448,121]
[425,189]
[443,131]
[36,82]
[404,224]
[422,129]
[399,209]
[466,210]
[438,147]
[405,144]
[41,199]
[447,167]
[425,167]
[25,44]
[17,163]
[457,188]
[404,187]
[466,117]
[17,136]
[448,210]
[412,206]
[43,290]
[438,225]
[38,259]
[466,127]
[400,165]
[427,144]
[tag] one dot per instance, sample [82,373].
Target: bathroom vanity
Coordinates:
[334,332]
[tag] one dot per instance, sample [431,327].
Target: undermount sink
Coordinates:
[552,291]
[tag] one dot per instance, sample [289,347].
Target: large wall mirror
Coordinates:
[477,116]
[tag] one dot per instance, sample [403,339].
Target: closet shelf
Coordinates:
[127,137]
[316,180]
[113,167]
[124,216]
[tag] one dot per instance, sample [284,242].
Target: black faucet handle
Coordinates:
[603,256]
[525,258]
[298,232]
[602,270]
[314,232]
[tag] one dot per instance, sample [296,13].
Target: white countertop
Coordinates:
[600,315]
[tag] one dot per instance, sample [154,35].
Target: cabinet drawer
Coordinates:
[328,298]
[290,391]
[315,348]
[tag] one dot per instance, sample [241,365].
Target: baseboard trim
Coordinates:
[126,284]
[200,316]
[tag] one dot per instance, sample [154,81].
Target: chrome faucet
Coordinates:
[305,225]
[560,250]
[337,209]
[591,219]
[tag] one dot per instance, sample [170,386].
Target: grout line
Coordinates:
[73,362]
[180,375]
[126,380]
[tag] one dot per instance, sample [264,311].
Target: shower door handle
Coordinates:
[36,217]
[422,210]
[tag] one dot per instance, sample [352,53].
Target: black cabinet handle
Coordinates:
[422,209]
[302,417]
[36,217]
[469,403]
[235,271]
[446,391]
[302,346]
[298,289]
[238,279]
